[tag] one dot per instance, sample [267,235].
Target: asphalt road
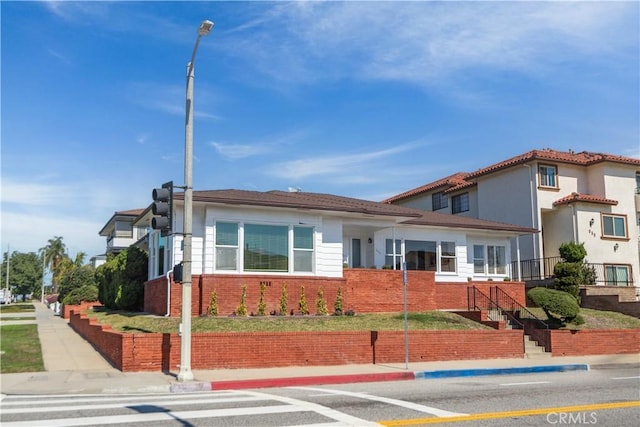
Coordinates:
[603,397]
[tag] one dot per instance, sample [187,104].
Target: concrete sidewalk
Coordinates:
[74,366]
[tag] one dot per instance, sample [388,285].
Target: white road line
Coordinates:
[625,378]
[342,418]
[157,417]
[404,404]
[527,383]
[44,399]
[125,405]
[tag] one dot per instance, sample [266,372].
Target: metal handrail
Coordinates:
[477,300]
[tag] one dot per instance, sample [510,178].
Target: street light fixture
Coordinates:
[185,373]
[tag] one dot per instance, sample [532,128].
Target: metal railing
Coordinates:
[535,269]
[518,316]
[542,269]
[477,300]
[532,324]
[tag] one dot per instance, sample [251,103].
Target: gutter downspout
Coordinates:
[533,222]
[168,293]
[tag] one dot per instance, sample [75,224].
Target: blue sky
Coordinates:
[361,99]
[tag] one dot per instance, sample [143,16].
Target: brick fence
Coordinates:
[363,290]
[131,352]
[161,352]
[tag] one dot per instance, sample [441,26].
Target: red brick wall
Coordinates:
[453,296]
[378,291]
[83,306]
[363,290]
[108,342]
[577,343]
[161,352]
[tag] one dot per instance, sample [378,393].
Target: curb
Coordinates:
[362,378]
[499,371]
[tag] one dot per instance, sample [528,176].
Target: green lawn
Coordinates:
[430,320]
[16,308]
[433,320]
[20,349]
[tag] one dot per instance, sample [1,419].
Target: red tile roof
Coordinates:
[462,180]
[587,198]
[584,158]
[446,183]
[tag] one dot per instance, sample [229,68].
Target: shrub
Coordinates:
[87,293]
[572,272]
[213,304]
[321,304]
[242,308]
[76,279]
[302,303]
[121,280]
[283,300]
[262,307]
[338,305]
[572,252]
[559,306]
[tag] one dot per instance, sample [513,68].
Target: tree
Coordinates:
[54,253]
[121,280]
[75,278]
[572,272]
[25,273]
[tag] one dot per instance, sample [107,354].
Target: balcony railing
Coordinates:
[542,269]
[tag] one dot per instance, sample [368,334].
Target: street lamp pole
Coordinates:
[185,373]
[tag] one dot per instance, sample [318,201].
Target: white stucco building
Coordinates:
[589,198]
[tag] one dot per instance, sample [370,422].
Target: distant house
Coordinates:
[590,198]
[120,233]
[278,233]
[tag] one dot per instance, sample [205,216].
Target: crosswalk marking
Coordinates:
[11,406]
[402,403]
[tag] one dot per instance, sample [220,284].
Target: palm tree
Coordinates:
[80,257]
[54,253]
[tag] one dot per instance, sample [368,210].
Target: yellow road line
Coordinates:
[507,414]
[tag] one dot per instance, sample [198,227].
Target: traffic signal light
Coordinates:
[162,207]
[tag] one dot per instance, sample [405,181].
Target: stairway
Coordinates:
[532,350]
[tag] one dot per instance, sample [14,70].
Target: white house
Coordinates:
[299,233]
[589,198]
[120,232]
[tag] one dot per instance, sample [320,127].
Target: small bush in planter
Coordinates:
[337,307]
[242,308]
[262,307]
[213,304]
[302,303]
[321,304]
[283,301]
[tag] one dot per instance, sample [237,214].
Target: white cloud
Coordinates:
[337,167]
[27,232]
[426,42]
[241,151]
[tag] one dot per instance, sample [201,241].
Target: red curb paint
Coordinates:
[300,381]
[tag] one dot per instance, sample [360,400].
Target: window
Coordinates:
[439,201]
[420,255]
[356,253]
[478,259]
[460,203]
[614,226]
[303,249]
[548,176]
[637,182]
[226,246]
[266,247]
[448,257]
[392,254]
[497,261]
[616,275]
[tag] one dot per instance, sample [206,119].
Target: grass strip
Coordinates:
[20,349]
